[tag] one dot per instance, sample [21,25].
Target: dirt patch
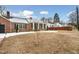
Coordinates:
[59,42]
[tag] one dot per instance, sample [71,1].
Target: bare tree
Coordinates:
[2,9]
[43,19]
[74,18]
[62,22]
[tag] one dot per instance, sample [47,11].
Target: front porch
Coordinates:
[38,26]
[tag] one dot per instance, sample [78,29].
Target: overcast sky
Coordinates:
[42,10]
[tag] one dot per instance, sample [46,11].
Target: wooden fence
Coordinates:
[60,28]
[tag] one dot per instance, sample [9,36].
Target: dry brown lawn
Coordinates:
[42,43]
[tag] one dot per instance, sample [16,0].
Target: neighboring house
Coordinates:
[17,24]
[56,24]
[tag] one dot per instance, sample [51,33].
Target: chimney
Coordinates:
[31,18]
[8,14]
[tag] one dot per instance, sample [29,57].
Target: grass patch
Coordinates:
[45,43]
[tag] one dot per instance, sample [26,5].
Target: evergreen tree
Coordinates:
[56,18]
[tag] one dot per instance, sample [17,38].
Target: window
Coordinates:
[21,26]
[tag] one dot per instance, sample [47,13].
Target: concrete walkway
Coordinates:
[6,35]
[2,35]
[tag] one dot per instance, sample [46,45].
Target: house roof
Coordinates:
[16,19]
[23,20]
[35,21]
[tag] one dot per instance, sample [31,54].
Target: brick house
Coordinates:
[13,24]
[16,24]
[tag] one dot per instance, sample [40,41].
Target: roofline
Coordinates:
[25,19]
[4,18]
[12,22]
